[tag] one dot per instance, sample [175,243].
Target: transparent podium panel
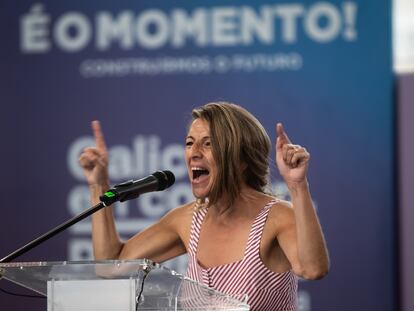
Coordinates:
[116,285]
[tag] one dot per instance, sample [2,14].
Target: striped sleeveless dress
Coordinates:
[265,289]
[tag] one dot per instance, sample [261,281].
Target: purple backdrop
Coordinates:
[322,68]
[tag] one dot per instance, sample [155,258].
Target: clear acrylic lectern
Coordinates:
[115,285]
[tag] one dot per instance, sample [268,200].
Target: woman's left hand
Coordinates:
[292,160]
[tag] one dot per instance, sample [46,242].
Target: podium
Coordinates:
[121,285]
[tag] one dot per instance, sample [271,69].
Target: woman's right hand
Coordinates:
[94,160]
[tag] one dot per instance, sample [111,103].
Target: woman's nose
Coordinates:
[196,151]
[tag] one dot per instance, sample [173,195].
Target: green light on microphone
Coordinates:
[109,194]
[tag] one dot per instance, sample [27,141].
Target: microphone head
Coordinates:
[165,179]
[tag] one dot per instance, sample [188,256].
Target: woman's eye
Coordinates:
[207,143]
[189,143]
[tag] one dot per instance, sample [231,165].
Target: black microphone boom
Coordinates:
[132,189]
[160,180]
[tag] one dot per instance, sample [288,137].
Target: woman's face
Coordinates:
[199,158]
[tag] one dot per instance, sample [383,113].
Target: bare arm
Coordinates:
[301,235]
[105,238]
[159,242]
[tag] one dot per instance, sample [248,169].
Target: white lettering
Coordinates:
[184,26]
[109,30]
[121,67]
[120,162]
[139,145]
[80,249]
[153,204]
[152,29]
[224,26]
[153,153]
[179,194]
[257,26]
[72,32]
[350,14]
[78,199]
[330,14]
[144,157]
[34,32]
[156,204]
[222,64]
[304,301]
[173,159]
[289,14]
[156,36]
[260,62]
[99,68]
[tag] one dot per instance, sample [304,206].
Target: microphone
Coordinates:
[132,189]
[160,180]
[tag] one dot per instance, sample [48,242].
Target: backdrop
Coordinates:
[323,68]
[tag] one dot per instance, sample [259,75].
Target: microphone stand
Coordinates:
[121,192]
[53,232]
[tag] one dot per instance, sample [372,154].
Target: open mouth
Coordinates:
[199,173]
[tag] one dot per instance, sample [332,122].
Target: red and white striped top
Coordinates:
[265,289]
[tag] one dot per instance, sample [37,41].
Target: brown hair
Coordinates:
[240,148]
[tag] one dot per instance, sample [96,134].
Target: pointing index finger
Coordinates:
[98,134]
[281,134]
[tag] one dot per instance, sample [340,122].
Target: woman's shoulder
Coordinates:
[280,205]
[281,212]
[275,203]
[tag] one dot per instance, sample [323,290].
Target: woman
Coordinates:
[239,239]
